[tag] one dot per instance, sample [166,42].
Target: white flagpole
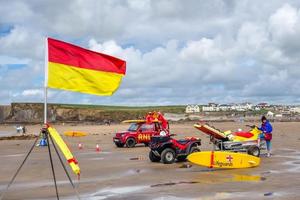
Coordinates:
[46,81]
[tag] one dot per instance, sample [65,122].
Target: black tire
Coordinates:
[194,149]
[146,144]
[130,142]
[168,156]
[153,157]
[254,151]
[181,158]
[119,145]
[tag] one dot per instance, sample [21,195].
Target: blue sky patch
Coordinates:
[5,29]
[15,66]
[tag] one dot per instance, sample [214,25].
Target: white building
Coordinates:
[262,105]
[270,114]
[192,109]
[242,107]
[295,110]
[211,107]
[247,106]
[224,107]
[257,108]
[239,107]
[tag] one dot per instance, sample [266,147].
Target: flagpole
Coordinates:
[45,105]
[46,81]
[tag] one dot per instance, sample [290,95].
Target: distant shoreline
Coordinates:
[32,113]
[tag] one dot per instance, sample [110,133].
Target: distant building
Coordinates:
[262,105]
[295,110]
[224,107]
[213,104]
[192,109]
[211,107]
[242,107]
[257,108]
[278,108]
[270,114]
[247,106]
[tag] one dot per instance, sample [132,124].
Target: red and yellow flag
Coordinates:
[77,69]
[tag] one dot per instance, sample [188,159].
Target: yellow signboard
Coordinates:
[143,137]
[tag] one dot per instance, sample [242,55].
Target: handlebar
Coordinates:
[251,126]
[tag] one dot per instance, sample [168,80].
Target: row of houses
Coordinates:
[213,107]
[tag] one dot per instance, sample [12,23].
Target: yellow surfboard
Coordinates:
[75,133]
[223,159]
[134,121]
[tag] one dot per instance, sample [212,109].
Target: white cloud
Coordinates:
[22,43]
[204,50]
[284,21]
[176,52]
[33,92]
[12,60]
[15,12]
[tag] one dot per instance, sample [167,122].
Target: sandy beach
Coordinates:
[123,173]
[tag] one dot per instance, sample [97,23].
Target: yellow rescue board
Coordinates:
[75,133]
[134,121]
[223,159]
[65,150]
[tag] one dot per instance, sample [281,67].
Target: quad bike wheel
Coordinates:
[168,156]
[254,151]
[153,157]
[130,142]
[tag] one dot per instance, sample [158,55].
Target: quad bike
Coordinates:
[240,141]
[168,149]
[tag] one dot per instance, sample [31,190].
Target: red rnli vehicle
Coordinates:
[141,131]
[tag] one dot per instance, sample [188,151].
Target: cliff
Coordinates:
[34,112]
[4,112]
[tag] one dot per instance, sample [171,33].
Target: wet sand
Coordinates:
[123,173]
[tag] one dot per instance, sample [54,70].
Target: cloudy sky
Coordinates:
[177,52]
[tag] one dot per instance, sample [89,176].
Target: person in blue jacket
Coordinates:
[266,129]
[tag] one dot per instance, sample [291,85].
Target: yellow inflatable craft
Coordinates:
[75,133]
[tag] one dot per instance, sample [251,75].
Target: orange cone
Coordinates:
[80,146]
[97,148]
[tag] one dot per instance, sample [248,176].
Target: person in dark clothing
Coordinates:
[266,129]
[24,130]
